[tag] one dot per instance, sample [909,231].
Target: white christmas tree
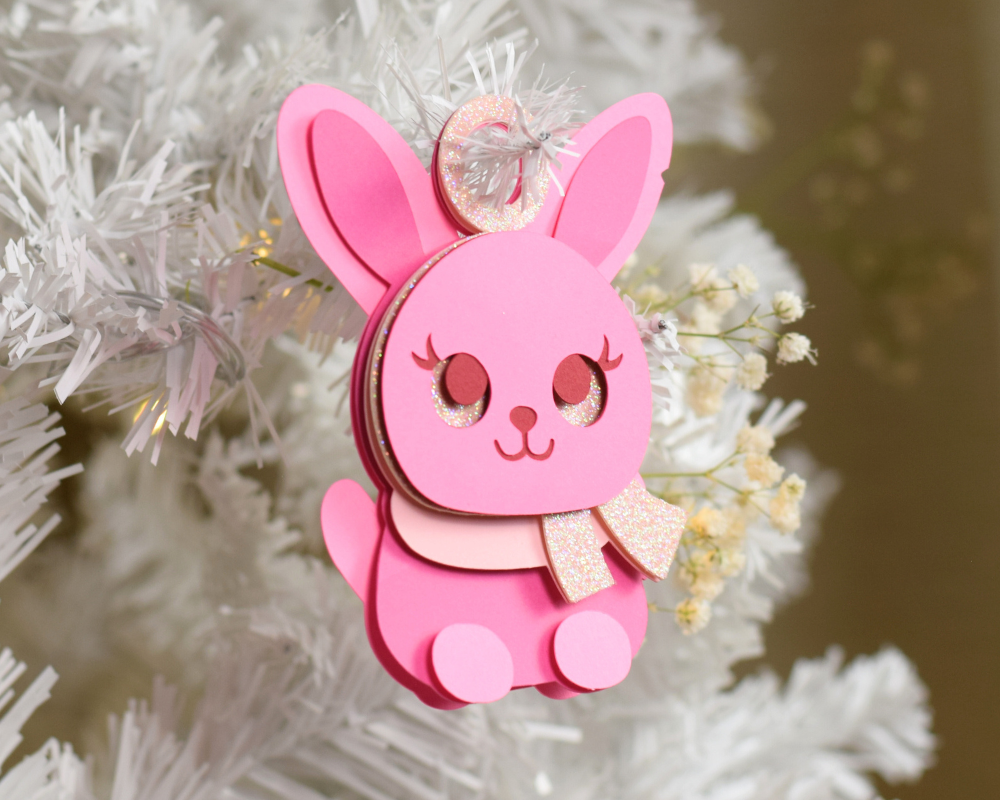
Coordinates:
[153,268]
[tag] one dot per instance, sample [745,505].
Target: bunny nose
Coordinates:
[524,418]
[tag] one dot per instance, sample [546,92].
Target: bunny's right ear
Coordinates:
[360,193]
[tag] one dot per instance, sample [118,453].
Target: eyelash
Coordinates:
[603,362]
[431,360]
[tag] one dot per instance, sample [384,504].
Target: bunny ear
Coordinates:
[360,193]
[615,186]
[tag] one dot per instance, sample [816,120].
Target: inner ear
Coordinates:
[613,191]
[365,196]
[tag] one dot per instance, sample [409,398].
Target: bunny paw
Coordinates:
[471,663]
[592,650]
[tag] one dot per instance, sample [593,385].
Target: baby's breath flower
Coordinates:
[737,516]
[793,486]
[785,511]
[707,585]
[787,306]
[709,523]
[649,294]
[755,439]
[732,561]
[752,372]
[702,576]
[692,615]
[785,515]
[704,319]
[793,347]
[750,509]
[704,392]
[701,275]
[744,281]
[763,469]
[719,296]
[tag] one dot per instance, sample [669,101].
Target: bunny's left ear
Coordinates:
[615,185]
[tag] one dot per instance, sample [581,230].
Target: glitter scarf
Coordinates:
[645,529]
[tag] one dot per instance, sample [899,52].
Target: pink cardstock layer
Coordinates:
[520,303]
[409,601]
[415,599]
[619,201]
[352,144]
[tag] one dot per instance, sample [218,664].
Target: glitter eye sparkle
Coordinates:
[579,390]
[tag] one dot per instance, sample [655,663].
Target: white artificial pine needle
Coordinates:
[445,81]
[475,71]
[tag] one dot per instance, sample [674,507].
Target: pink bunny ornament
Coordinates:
[500,401]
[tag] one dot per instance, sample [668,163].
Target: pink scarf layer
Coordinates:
[645,529]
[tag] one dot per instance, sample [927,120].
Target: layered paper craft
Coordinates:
[500,397]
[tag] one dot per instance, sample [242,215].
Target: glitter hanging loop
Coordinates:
[482,197]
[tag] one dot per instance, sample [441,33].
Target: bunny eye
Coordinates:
[579,389]
[460,389]
[465,380]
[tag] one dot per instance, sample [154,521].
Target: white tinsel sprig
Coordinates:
[503,160]
[500,160]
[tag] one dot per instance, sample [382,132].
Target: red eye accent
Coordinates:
[572,380]
[465,379]
[432,358]
[604,362]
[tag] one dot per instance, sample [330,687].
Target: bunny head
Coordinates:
[500,373]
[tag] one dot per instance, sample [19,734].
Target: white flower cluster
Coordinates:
[153,263]
[713,297]
[724,475]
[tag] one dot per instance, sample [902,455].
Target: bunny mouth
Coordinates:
[525,450]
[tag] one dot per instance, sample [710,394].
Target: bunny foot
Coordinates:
[592,650]
[471,663]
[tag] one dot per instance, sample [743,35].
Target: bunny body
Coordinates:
[410,600]
[500,438]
